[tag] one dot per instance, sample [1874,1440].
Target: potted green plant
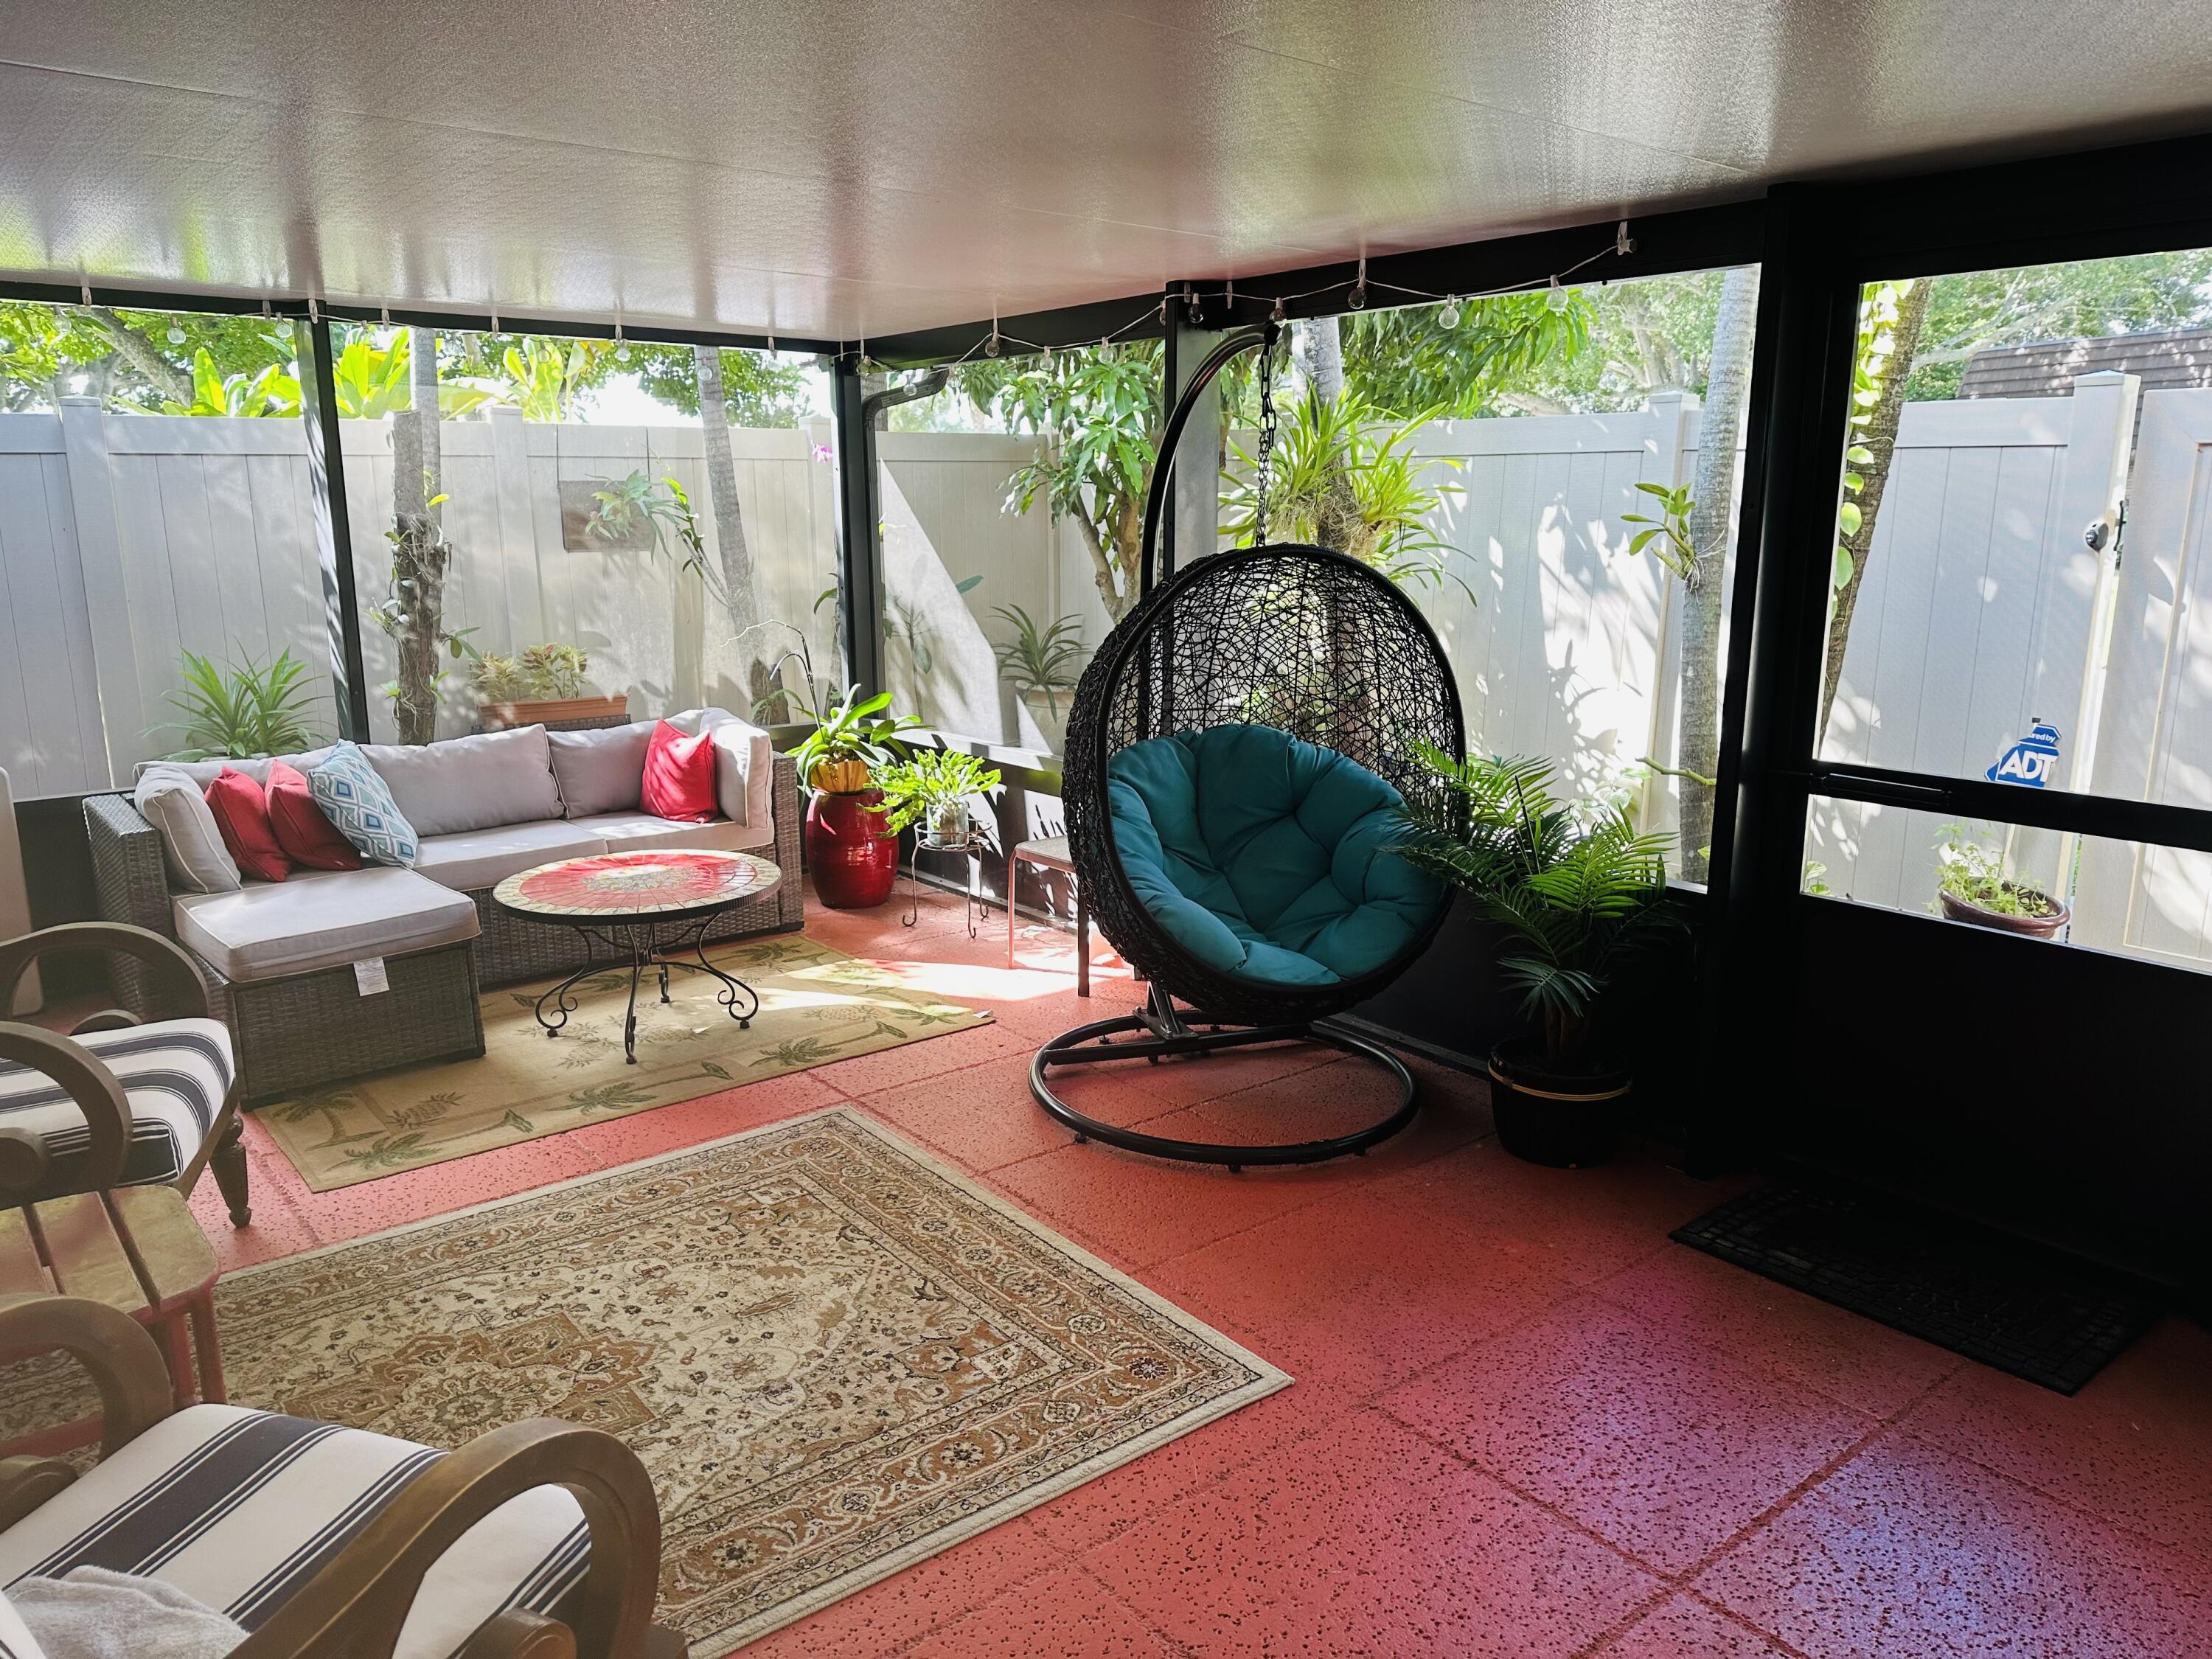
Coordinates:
[1041,665]
[1972,886]
[851,849]
[1576,891]
[239,710]
[934,788]
[542,684]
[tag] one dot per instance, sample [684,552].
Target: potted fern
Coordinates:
[1578,891]
[933,787]
[540,685]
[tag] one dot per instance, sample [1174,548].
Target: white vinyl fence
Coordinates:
[125,539]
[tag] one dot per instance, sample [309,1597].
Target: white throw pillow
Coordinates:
[478,782]
[602,771]
[191,845]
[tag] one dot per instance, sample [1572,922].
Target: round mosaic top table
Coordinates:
[646,906]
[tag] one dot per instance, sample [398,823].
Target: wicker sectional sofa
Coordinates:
[278,957]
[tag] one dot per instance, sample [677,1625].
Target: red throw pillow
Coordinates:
[309,840]
[241,813]
[679,775]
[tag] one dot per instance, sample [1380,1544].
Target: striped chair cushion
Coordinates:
[240,1509]
[15,1642]
[174,1073]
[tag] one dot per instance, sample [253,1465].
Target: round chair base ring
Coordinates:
[1097,1043]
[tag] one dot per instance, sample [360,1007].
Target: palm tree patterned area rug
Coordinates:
[835,1356]
[817,1005]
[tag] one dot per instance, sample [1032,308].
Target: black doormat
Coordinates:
[2009,1303]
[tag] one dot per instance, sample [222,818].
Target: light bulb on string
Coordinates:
[622,354]
[1447,313]
[1556,299]
[176,334]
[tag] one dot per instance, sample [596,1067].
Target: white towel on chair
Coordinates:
[95,1614]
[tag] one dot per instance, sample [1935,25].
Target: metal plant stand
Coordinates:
[653,909]
[968,847]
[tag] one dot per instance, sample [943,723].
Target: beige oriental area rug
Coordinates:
[817,1005]
[835,1356]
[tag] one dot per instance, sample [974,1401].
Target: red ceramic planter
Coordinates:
[854,859]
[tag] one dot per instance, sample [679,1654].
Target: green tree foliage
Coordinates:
[1973,310]
[1099,412]
[127,358]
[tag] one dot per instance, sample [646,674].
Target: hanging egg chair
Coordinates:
[1237,754]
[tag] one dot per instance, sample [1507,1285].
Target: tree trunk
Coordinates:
[134,350]
[1712,494]
[419,555]
[1336,514]
[734,556]
[1879,438]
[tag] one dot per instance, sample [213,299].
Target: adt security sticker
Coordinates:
[2030,761]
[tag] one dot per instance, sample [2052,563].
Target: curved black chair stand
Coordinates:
[1297,638]
[1166,1033]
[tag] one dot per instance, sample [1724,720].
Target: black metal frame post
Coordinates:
[318,409]
[860,552]
[1193,525]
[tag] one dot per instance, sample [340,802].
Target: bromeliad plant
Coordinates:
[934,786]
[1040,660]
[1576,888]
[241,709]
[849,737]
[1345,478]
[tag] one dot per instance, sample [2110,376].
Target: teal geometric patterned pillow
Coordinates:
[353,798]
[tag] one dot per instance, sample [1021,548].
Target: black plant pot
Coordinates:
[1568,1119]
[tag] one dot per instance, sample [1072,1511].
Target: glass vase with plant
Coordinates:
[1972,886]
[243,709]
[1576,892]
[933,788]
[849,737]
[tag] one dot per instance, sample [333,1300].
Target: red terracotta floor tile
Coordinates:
[1067,1612]
[1911,1554]
[1879,1370]
[1143,1210]
[1135,1493]
[901,1609]
[1585,1225]
[2134,1447]
[1368,1541]
[1683,1627]
[1185,1082]
[1651,1440]
[984,1118]
[912,1062]
[280,1227]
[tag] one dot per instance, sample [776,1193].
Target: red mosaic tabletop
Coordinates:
[614,885]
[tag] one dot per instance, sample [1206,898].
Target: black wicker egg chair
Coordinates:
[1284,646]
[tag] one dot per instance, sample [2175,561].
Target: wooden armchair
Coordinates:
[557,1532]
[119,1100]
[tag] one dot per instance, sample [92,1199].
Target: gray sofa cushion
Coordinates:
[321,918]
[638,832]
[600,771]
[191,845]
[470,783]
[485,857]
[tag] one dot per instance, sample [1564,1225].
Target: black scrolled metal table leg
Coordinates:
[563,1003]
[640,940]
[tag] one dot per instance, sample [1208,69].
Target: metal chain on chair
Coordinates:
[1266,436]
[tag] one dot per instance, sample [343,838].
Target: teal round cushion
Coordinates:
[1265,856]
